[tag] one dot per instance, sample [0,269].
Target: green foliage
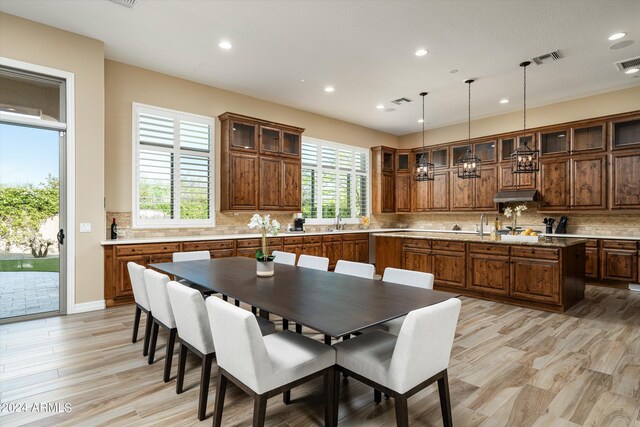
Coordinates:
[51,264]
[23,209]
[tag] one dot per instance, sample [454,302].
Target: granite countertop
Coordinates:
[554,242]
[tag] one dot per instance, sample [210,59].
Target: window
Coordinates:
[335,180]
[173,161]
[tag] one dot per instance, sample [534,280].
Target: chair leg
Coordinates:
[336,396]
[147,334]
[286,397]
[402,411]
[327,339]
[154,340]
[171,340]
[225,298]
[259,410]
[221,389]
[377,396]
[205,376]
[298,328]
[182,362]
[346,337]
[329,390]
[445,400]
[136,324]
[285,324]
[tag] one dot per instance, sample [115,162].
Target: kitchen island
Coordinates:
[548,274]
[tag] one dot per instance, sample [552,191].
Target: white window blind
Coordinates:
[173,163]
[335,179]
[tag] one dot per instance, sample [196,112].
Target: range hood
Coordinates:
[516,196]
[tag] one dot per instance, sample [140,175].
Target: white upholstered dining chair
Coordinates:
[162,316]
[264,367]
[191,256]
[402,365]
[315,262]
[357,269]
[288,258]
[141,299]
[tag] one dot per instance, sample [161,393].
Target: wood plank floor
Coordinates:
[510,366]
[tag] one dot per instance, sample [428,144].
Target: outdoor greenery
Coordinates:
[23,210]
[156,197]
[51,264]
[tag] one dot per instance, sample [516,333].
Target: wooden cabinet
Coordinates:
[619,260]
[388,192]
[535,279]
[588,137]
[554,142]
[478,193]
[508,181]
[431,195]
[449,268]
[355,247]
[589,182]
[592,260]
[383,180]
[417,260]
[488,273]
[260,165]
[403,192]
[312,245]
[554,184]
[625,132]
[461,193]
[625,180]
[332,249]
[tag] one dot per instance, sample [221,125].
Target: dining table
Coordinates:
[333,304]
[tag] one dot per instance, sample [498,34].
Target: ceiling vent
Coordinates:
[401,101]
[628,63]
[125,3]
[547,57]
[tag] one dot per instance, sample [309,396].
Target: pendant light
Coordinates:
[469,164]
[525,159]
[422,168]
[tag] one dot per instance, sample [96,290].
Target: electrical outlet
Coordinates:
[85,227]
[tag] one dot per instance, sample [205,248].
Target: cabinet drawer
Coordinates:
[147,249]
[355,236]
[292,240]
[312,239]
[416,243]
[248,243]
[334,238]
[207,245]
[534,252]
[488,248]
[447,246]
[592,243]
[224,253]
[620,244]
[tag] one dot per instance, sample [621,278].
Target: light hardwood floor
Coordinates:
[510,366]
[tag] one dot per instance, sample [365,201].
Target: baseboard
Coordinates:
[89,306]
[634,287]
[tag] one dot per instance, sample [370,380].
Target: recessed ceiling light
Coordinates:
[421,52]
[504,101]
[302,80]
[380,106]
[632,70]
[454,71]
[329,89]
[224,45]
[617,36]
[420,120]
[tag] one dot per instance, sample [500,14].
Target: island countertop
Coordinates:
[553,242]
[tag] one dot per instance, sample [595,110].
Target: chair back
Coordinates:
[358,269]
[287,258]
[191,317]
[240,348]
[158,297]
[424,345]
[137,284]
[191,256]
[315,262]
[408,277]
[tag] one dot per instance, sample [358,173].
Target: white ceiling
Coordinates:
[365,49]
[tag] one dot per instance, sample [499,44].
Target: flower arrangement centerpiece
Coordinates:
[514,214]
[365,222]
[266,225]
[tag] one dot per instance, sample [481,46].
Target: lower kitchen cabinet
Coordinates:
[449,268]
[332,249]
[535,279]
[619,261]
[488,273]
[312,245]
[416,260]
[355,247]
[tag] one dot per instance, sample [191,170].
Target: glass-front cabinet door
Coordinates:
[507,147]
[243,136]
[457,152]
[486,151]
[270,139]
[556,142]
[291,144]
[588,138]
[440,157]
[403,160]
[625,133]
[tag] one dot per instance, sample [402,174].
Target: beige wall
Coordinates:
[125,84]
[38,44]
[603,104]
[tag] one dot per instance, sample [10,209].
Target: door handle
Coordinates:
[60,236]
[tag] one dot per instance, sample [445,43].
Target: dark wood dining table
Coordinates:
[334,304]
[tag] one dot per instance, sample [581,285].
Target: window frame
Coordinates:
[136,221]
[318,220]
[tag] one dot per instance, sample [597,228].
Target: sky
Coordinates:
[27,155]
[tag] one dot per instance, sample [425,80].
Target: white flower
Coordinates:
[508,212]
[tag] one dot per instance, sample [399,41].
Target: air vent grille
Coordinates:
[125,3]
[628,63]
[401,101]
[547,57]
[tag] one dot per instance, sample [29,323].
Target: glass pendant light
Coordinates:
[469,164]
[525,159]
[422,168]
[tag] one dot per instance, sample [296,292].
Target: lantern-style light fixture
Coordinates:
[525,159]
[422,168]
[469,164]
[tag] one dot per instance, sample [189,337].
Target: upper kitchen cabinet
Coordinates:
[403,181]
[486,151]
[439,156]
[383,180]
[260,165]
[625,179]
[477,193]
[588,137]
[625,133]
[554,142]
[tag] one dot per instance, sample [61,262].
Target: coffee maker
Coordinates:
[298,224]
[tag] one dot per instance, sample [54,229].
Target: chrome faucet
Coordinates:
[338,219]
[484,219]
